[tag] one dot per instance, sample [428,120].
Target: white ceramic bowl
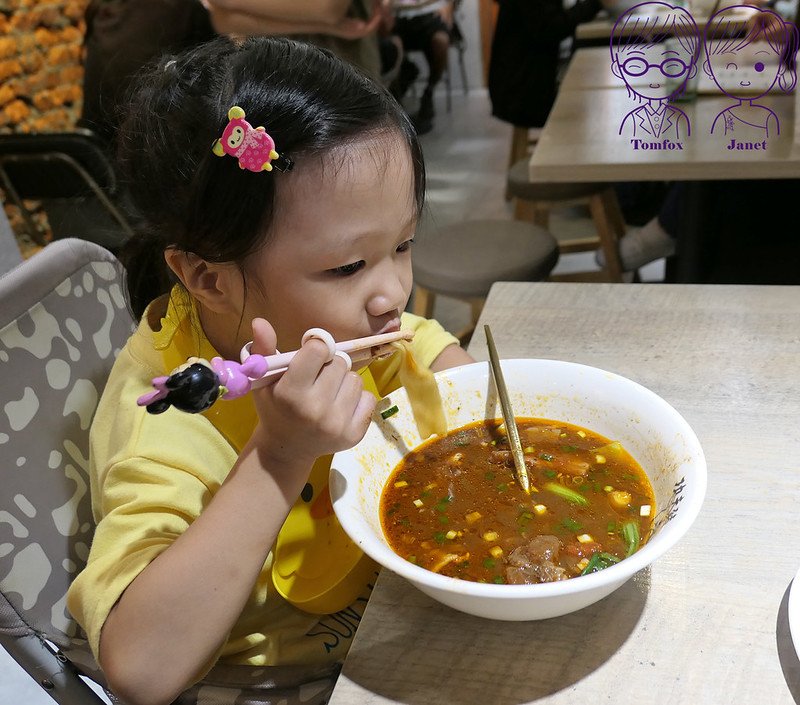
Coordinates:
[649,428]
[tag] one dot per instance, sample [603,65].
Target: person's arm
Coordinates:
[174,617]
[451,356]
[239,22]
[325,12]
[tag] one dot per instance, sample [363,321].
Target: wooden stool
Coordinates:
[522,141]
[534,201]
[463,260]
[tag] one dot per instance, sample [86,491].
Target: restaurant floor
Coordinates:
[466,155]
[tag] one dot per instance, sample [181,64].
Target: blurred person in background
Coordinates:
[423,25]
[122,36]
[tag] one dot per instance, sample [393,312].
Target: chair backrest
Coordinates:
[71,175]
[65,153]
[63,319]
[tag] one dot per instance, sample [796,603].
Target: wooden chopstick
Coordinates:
[508,414]
[358,349]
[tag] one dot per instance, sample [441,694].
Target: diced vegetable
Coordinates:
[566,493]
[619,500]
[490,536]
[472,517]
[585,538]
[496,551]
[630,533]
[539,509]
[418,503]
[391,411]
[644,510]
[400,483]
[612,450]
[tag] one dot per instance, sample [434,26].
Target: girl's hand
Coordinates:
[315,408]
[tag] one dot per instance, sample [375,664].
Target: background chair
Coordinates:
[70,174]
[534,201]
[63,319]
[463,260]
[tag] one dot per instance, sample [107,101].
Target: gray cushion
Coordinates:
[465,259]
[520,186]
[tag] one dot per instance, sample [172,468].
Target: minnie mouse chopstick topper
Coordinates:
[196,385]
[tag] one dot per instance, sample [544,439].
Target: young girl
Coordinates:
[189,508]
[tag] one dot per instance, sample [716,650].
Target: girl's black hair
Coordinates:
[309,101]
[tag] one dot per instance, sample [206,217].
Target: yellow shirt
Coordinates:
[152,475]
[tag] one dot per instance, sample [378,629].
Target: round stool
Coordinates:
[463,260]
[601,200]
[520,186]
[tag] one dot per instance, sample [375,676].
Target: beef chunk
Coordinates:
[536,562]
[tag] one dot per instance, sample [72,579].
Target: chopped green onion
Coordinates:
[547,456]
[391,411]
[599,561]
[550,473]
[570,524]
[488,563]
[498,579]
[630,532]
[566,493]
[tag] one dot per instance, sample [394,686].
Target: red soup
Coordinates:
[453,506]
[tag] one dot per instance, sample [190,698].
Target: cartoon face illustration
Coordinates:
[233,136]
[252,146]
[654,49]
[755,63]
[192,387]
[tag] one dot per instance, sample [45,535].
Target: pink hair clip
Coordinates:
[252,146]
[196,385]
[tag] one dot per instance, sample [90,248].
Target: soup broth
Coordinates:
[453,506]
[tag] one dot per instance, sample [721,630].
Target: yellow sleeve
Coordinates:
[430,339]
[146,497]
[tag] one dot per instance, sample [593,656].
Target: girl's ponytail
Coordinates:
[147,275]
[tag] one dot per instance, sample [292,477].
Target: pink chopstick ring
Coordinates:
[279,362]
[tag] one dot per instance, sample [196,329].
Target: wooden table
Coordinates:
[581,141]
[704,625]
[599,30]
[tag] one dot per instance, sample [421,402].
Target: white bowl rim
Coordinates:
[668,536]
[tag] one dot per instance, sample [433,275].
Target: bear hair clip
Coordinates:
[252,146]
[197,384]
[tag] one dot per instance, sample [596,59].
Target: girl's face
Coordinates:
[339,257]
